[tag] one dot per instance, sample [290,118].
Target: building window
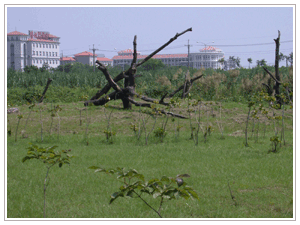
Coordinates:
[33,53]
[40,53]
[49,53]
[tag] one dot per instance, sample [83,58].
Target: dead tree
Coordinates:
[127,94]
[276,78]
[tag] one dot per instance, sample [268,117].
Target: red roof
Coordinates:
[104,59]
[41,40]
[15,33]
[85,53]
[52,36]
[126,51]
[160,56]
[210,48]
[67,59]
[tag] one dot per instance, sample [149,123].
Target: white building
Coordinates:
[125,57]
[86,58]
[207,57]
[36,48]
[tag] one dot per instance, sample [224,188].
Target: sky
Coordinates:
[238,30]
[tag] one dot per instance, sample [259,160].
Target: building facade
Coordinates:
[66,60]
[37,48]
[86,58]
[207,57]
[125,57]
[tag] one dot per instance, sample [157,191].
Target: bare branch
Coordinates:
[108,77]
[45,90]
[149,106]
[162,47]
[271,75]
[182,86]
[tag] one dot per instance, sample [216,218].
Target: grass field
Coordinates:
[261,182]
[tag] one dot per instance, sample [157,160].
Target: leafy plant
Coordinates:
[274,143]
[160,132]
[50,158]
[134,185]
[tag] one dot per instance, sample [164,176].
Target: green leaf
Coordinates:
[156,194]
[183,175]
[139,176]
[191,192]
[130,193]
[115,195]
[183,193]
[165,178]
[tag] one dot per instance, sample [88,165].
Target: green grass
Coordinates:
[261,182]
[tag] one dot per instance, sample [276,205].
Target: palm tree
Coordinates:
[283,57]
[290,58]
[222,60]
[238,61]
[262,62]
[250,61]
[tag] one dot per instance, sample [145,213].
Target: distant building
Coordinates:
[85,58]
[105,61]
[207,58]
[125,57]
[36,48]
[66,60]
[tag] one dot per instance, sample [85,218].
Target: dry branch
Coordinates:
[45,90]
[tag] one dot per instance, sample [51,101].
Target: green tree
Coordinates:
[250,61]
[153,64]
[222,61]
[65,68]
[262,62]
[30,68]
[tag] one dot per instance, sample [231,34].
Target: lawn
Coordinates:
[219,168]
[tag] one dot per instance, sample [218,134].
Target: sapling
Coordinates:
[31,110]
[56,110]
[87,126]
[145,120]
[250,104]
[108,132]
[41,121]
[220,123]
[189,97]
[19,117]
[274,143]
[135,185]
[50,158]
[197,107]
[9,130]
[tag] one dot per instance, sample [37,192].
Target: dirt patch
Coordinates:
[237,133]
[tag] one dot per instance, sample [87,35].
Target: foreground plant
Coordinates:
[19,117]
[134,185]
[50,158]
